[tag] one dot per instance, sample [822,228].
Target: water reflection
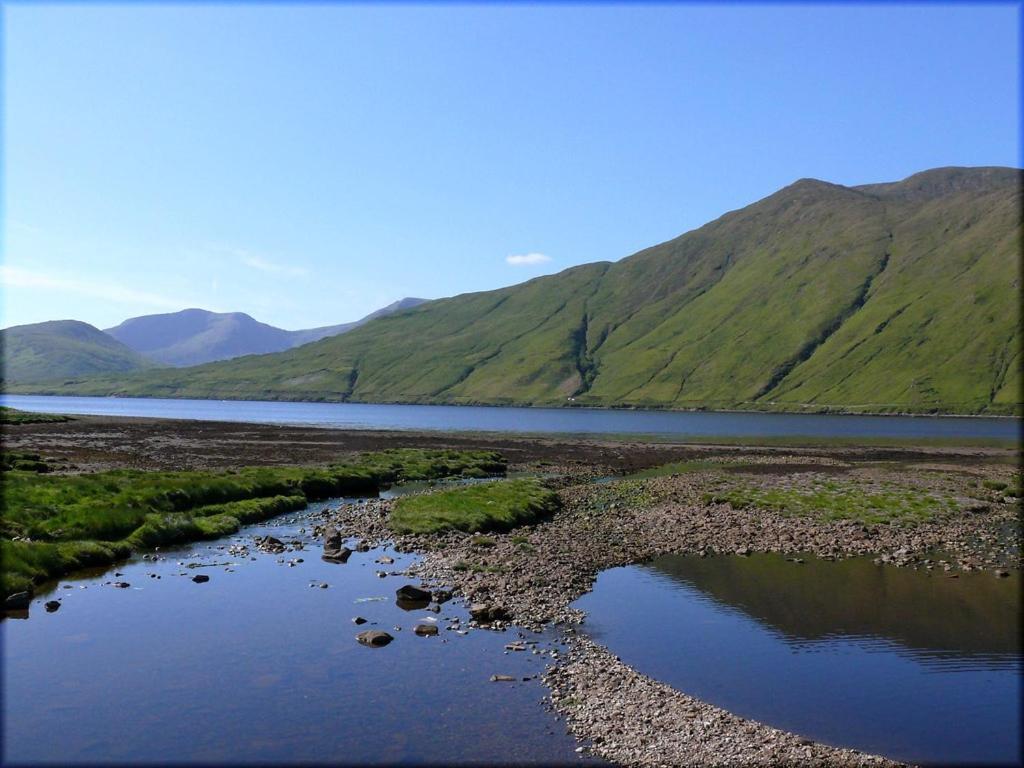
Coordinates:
[917,666]
[973,618]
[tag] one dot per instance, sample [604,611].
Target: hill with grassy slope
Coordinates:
[886,297]
[195,336]
[62,349]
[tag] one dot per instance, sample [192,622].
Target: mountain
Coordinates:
[62,349]
[885,297]
[195,336]
[315,334]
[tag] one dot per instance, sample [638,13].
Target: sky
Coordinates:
[310,164]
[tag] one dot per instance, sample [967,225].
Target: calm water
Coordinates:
[256,665]
[887,660]
[492,419]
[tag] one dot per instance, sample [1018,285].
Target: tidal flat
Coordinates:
[942,511]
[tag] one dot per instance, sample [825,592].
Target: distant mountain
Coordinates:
[886,297]
[195,336]
[61,350]
[315,334]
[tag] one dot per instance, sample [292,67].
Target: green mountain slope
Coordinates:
[891,297]
[62,349]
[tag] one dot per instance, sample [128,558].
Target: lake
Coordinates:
[531,420]
[911,664]
[261,665]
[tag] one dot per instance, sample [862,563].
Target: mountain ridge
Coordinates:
[886,297]
[195,336]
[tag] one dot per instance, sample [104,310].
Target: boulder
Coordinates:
[409,592]
[358,620]
[442,595]
[337,555]
[332,538]
[425,630]
[487,613]
[374,638]
[52,606]
[19,601]
[200,578]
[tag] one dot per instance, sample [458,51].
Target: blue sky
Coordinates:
[308,164]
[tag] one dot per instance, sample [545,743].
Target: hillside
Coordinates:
[195,336]
[315,334]
[887,297]
[62,349]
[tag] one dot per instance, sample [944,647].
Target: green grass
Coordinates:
[496,506]
[10,415]
[832,500]
[893,298]
[27,462]
[62,350]
[61,521]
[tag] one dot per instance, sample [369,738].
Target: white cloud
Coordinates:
[265,265]
[16,277]
[527,259]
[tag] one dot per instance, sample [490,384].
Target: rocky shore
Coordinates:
[630,719]
[530,576]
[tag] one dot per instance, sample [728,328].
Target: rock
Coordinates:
[487,613]
[409,592]
[425,630]
[200,578]
[502,679]
[374,638]
[19,601]
[385,560]
[1001,574]
[743,551]
[52,606]
[442,595]
[337,555]
[358,620]
[125,584]
[332,538]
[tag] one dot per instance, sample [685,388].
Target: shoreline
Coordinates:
[799,409]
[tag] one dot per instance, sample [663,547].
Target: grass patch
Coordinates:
[26,462]
[830,500]
[994,485]
[494,506]
[53,524]
[10,415]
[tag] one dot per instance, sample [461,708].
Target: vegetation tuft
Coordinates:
[10,415]
[53,524]
[483,507]
[830,500]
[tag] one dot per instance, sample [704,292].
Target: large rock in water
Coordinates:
[19,601]
[332,538]
[337,555]
[415,594]
[374,638]
[425,630]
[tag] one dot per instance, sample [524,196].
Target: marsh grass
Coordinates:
[53,524]
[831,500]
[496,506]
[10,415]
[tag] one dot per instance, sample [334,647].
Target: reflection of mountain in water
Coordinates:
[975,614]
